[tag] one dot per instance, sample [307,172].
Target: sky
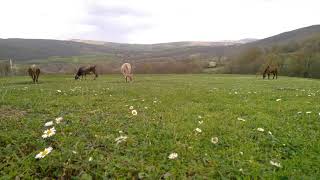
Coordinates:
[154,21]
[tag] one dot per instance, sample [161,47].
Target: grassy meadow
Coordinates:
[219,126]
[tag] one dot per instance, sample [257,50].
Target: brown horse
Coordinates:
[34,72]
[83,71]
[271,70]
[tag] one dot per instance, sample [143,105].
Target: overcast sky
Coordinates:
[154,21]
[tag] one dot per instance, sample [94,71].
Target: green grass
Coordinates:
[95,111]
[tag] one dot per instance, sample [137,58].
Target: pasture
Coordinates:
[220,126]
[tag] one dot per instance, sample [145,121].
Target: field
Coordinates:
[220,126]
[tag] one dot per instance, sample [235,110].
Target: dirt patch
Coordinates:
[9,112]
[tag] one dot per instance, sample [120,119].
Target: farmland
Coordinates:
[219,126]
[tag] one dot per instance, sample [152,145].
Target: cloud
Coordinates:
[153,21]
[113,22]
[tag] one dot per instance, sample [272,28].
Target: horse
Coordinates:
[271,70]
[34,72]
[126,70]
[83,71]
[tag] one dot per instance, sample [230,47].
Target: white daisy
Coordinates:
[200,122]
[50,123]
[42,154]
[260,129]
[131,107]
[241,119]
[121,139]
[90,158]
[299,112]
[59,119]
[269,132]
[214,140]
[173,156]
[59,91]
[146,107]
[278,100]
[49,132]
[308,112]
[74,152]
[199,117]
[198,130]
[134,112]
[275,164]
[241,153]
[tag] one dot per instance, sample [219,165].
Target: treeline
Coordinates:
[293,59]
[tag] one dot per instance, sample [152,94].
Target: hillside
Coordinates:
[295,53]
[297,36]
[173,57]
[30,49]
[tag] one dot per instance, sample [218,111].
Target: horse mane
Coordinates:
[267,68]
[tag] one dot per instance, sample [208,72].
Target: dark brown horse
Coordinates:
[271,70]
[83,71]
[34,72]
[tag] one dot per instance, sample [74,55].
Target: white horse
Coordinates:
[126,70]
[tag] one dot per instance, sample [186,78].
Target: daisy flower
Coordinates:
[308,112]
[49,132]
[269,132]
[121,139]
[134,112]
[278,100]
[200,122]
[273,163]
[59,119]
[241,119]
[59,91]
[90,158]
[199,117]
[260,129]
[131,107]
[173,156]
[198,130]
[42,154]
[214,140]
[50,123]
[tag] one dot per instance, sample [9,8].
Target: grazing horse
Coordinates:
[126,70]
[34,72]
[271,70]
[83,71]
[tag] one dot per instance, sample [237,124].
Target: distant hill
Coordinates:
[284,38]
[32,49]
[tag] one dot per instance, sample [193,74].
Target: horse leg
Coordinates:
[268,76]
[126,79]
